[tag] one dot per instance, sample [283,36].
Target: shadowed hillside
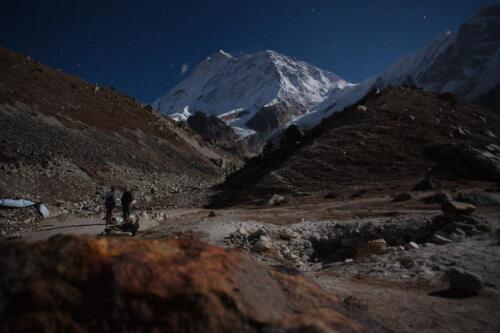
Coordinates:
[388,136]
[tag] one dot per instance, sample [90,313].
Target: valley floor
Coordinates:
[403,286]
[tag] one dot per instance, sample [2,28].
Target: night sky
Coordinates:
[143,47]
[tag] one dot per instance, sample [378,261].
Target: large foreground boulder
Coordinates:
[72,284]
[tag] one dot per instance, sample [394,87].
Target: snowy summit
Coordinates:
[236,89]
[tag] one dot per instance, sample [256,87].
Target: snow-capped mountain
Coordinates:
[465,63]
[266,91]
[253,92]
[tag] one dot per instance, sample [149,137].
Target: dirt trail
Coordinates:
[183,219]
[71,225]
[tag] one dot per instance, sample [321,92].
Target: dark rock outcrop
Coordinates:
[271,117]
[212,129]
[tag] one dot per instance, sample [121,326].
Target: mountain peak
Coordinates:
[222,53]
[225,53]
[267,53]
[445,65]
[224,85]
[218,56]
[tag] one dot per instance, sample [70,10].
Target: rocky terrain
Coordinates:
[389,138]
[426,261]
[433,253]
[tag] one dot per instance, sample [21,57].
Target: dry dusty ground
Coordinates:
[381,285]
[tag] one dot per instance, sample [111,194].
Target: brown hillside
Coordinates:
[64,138]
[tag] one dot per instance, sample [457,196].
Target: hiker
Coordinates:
[109,203]
[126,202]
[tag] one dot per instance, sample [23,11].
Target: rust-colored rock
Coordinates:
[72,284]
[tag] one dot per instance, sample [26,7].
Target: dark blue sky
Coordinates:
[139,47]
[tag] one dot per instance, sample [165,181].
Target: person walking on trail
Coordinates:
[126,200]
[109,203]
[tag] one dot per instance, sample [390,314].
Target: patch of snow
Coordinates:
[271,103]
[181,116]
[337,101]
[242,132]
[235,111]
